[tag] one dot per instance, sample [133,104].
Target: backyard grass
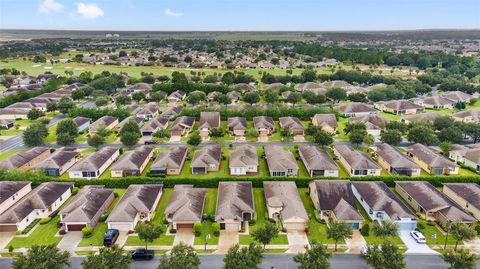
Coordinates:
[44,234]
[342,122]
[390,116]
[210,206]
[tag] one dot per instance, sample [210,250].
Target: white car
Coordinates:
[419,237]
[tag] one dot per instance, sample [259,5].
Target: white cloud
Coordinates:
[48,6]
[89,11]
[172,13]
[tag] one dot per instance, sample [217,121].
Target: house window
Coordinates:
[409,198]
[466,205]
[289,171]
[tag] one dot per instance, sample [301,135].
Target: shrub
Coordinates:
[45,220]
[365,230]
[87,232]
[19,232]
[421,225]
[173,231]
[115,194]
[477,228]
[430,223]
[30,226]
[62,232]
[216,228]
[103,217]
[197,228]
[75,190]
[10,248]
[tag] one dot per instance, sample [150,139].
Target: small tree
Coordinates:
[385,229]
[317,257]
[96,141]
[216,132]
[251,98]
[130,134]
[103,131]
[388,255]
[65,104]
[243,258]
[197,228]
[108,258]
[42,257]
[138,96]
[462,232]
[181,257]
[294,98]
[339,230]
[34,114]
[462,259]
[369,140]
[123,100]
[101,101]
[148,232]
[266,233]
[35,135]
[392,137]
[445,147]
[336,94]
[194,139]
[65,139]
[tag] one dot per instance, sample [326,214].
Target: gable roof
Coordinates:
[468,191]
[316,158]
[377,195]
[263,122]
[326,120]
[133,160]
[137,199]
[58,158]
[279,159]
[182,122]
[9,188]
[237,123]
[290,123]
[79,121]
[149,109]
[209,120]
[234,197]
[103,121]
[186,204]
[287,194]
[177,95]
[356,159]
[155,124]
[208,155]
[95,160]
[394,157]
[172,111]
[428,156]
[371,121]
[22,158]
[172,158]
[244,155]
[86,204]
[135,119]
[355,108]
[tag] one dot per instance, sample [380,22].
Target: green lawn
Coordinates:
[342,122]
[44,234]
[210,207]
[52,136]
[435,237]
[186,169]
[6,154]
[390,116]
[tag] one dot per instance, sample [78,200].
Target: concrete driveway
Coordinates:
[70,241]
[412,246]
[355,243]
[122,238]
[473,246]
[5,238]
[226,240]
[185,237]
[297,240]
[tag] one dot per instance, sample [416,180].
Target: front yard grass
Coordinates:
[44,234]
[210,206]
[435,237]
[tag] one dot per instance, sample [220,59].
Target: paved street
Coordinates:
[276,261]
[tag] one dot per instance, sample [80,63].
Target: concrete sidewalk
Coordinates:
[70,241]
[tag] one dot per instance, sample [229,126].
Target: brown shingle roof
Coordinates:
[58,158]
[286,192]
[170,159]
[95,160]
[86,204]
[317,159]
[468,191]
[394,157]
[280,159]
[133,160]
[290,123]
[428,156]
[237,123]
[234,198]
[9,188]
[20,159]
[326,119]
[244,155]
[208,155]
[263,122]
[209,120]
[356,159]
[186,204]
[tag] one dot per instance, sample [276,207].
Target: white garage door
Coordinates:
[122,227]
[295,226]
[407,226]
[232,227]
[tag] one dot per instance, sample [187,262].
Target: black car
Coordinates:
[150,142]
[142,254]
[110,237]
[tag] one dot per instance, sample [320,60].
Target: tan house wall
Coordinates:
[462,202]
[31,164]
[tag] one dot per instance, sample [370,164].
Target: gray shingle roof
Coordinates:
[20,159]
[95,160]
[326,119]
[317,159]
[356,159]
[244,155]
[103,121]
[209,120]
[9,188]
[172,159]
[133,160]
[234,197]
[155,124]
[428,156]
[58,158]
[186,204]
[355,108]
[394,157]
[237,123]
[290,123]
[208,155]
[280,159]
[86,204]
[287,194]
[79,121]
[263,122]
[468,191]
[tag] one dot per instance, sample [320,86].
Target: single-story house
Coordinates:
[457,96]
[399,107]
[356,109]
[472,115]
[86,208]
[138,120]
[156,124]
[373,123]
[94,164]
[432,204]
[59,162]
[208,121]
[26,160]
[37,204]
[182,126]
[280,162]
[293,125]
[13,113]
[137,204]
[467,155]
[169,162]
[171,112]
[328,122]
[176,96]
[285,205]
[234,204]
[234,96]
[237,126]
[243,161]
[6,124]
[212,95]
[317,161]
[334,200]
[82,123]
[11,192]
[264,126]
[431,161]
[208,159]
[133,162]
[395,162]
[108,122]
[381,204]
[429,116]
[185,207]
[355,162]
[148,112]
[435,102]
[467,195]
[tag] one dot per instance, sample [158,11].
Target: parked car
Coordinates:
[150,142]
[110,237]
[419,237]
[142,254]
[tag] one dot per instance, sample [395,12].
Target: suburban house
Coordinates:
[237,126]
[208,159]
[37,204]
[381,204]
[432,204]
[26,160]
[169,162]
[94,164]
[399,107]
[435,102]
[212,95]
[457,96]
[264,126]
[468,116]
[11,192]
[467,195]
[176,96]
[395,162]
[373,123]
[467,155]
[294,127]
[156,124]
[181,126]
[133,162]
[86,208]
[280,162]
[234,96]
[6,124]
[137,204]
[185,207]
[428,116]
[285,205]
[208,121]
[140,87]
[431,161]
[355,162]
[334,200]
[243,161]
[82,123]
[317,162]
[328,122]
[59,162]
[171,112]
[148,112]
[356,109]
[108,122]
[234,204]
[13,113]
[138,120]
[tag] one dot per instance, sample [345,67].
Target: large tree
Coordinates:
[336,94]
[35,135]
[461,232]
[357,136]
[385,229]
[266,233]
[243,258]
[181,257]
[316,257]
[42,257]
[461,259]
[66,132]
[148,232]
[251,98]
[108,258]
[392,137]
[386,255]
[96,141]
[339,230]
[65,104]
[422,134]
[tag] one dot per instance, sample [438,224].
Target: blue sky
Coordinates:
[255,15]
